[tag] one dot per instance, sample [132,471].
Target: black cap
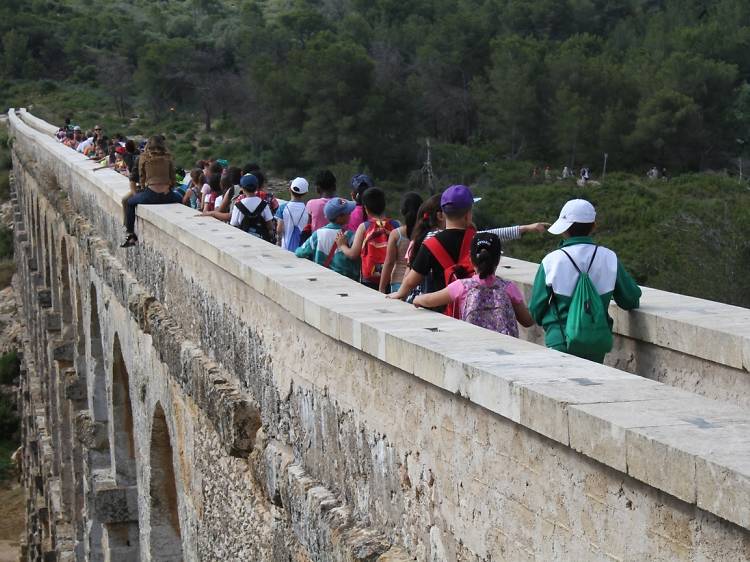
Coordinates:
[486,241]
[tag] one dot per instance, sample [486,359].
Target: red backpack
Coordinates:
[461,269]
[374,248]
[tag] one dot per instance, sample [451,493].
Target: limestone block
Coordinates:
[723,482]
[114,504]
[599,430]
[276,459]
[92,434]
[75,385]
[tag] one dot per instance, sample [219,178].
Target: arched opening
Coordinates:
[48,257]
[98,403]
[122,538]
[165,541]
[66,306]
[122,420]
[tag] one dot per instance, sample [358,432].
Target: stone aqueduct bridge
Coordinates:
[207,396]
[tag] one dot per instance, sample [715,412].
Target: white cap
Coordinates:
[299,186]
[575,210]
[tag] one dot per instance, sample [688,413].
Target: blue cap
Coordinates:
[359,179]
[337,207]
[249,181]
[457,198]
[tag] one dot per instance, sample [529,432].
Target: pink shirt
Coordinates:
[315,209]
[457,291]
[357,217]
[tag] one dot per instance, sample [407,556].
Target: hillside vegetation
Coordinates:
[498,86]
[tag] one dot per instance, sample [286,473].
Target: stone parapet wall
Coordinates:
[206,396]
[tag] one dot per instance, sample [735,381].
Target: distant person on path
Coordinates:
[396,264]
[325,183]
[484,299]
[321,246]
[574,285]
[292,217]
[566,173]
[157,176]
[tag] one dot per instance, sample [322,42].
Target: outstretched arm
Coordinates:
[433,300]
[411,280]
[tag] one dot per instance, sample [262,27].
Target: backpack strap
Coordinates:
[295,222]
[578,269]
[596,249]
[439,252]
[252,214]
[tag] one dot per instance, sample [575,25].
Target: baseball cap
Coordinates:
[249,181]
[360,179]
[299,186]
[486,241]
[575,210]
[337,207]
[457,198]
[76,128]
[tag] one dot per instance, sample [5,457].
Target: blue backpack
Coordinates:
[295,238]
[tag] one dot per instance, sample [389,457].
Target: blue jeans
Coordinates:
[147,197]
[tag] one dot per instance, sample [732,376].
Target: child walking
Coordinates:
[292,217]
[370,241]
[567,277]
[484,299]
[321,246]
[396,263]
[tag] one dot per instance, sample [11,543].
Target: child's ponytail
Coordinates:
[486,250]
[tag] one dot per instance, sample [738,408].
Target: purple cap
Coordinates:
[337,207]
[457,198]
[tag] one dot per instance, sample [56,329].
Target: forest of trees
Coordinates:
[311,82]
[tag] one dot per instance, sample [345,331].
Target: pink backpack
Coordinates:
[489,306]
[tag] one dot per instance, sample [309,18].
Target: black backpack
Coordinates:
[252,222]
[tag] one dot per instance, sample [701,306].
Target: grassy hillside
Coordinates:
[687,235]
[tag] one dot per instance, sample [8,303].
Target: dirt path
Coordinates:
[9,551]
[12,521]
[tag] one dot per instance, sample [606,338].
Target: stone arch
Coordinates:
[123,442]
[48,255]
[66,306]
[98,402]
[122,537]
[165,542]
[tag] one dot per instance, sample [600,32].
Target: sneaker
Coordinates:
[131,240]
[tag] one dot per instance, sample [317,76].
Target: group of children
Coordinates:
[438,260]
[434,258]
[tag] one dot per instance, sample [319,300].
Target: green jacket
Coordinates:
[557,275]
[321,243]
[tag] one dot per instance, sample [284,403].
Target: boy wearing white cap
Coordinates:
[559,272]
[292,217]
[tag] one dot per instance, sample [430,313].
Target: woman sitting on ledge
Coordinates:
[157,175]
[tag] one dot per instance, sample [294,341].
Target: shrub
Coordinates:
[6,243]
[205,141]
[10,367]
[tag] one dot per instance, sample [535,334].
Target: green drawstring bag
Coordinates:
[586,331]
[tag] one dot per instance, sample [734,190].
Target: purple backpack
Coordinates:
[489,306]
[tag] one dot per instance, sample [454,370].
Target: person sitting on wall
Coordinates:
[157,175]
